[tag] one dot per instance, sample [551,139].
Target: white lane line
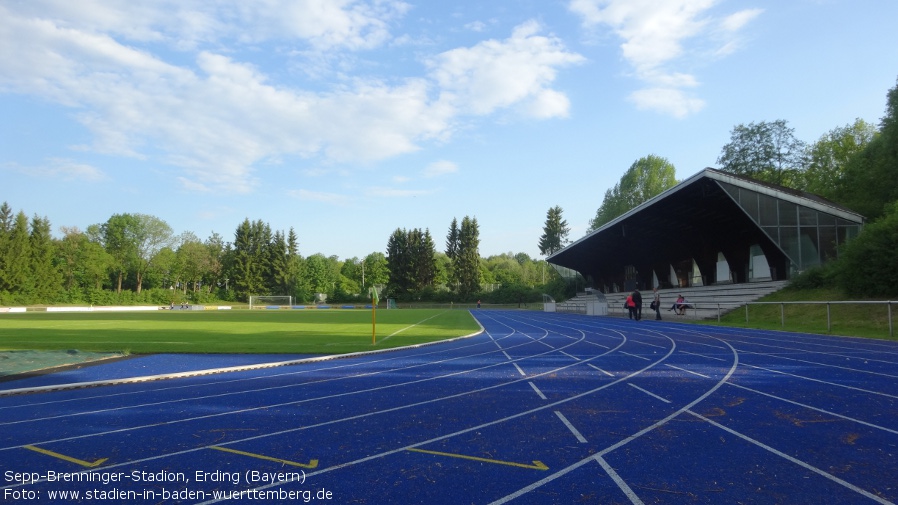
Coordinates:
[688,371]
[609,374]
[507,356]
[538,392]
[648,344]
[821,381]
[797,461]
[542,482]
[570,356]
[653,395]
[570,426]
[818,409]
[636,356]
[619,481]
[519,369]
[703,355]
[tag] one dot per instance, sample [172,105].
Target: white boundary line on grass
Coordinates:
[213,371]
[397,332]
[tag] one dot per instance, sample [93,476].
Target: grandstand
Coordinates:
[719,240]
[705,302]
[711,229]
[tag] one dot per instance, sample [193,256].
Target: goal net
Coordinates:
[270,302]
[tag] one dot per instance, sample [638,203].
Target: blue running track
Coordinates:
[537,409]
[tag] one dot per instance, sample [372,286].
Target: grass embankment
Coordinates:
[231,331]
[858,320]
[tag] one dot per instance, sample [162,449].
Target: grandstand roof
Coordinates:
[698,215]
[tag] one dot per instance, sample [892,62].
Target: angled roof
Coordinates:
[697,210]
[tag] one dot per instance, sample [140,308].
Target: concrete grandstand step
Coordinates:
[706,301]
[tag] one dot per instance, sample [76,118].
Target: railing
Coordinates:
[829,304]
[725,307]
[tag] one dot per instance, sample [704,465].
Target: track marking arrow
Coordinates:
[311,464]
[88,464]
[537,465]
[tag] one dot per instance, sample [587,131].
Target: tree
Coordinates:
[194,259]
[278,275]
[150,235]
[318,271]
[867,266]
[424,254]
[118,235]
[452,240]
[6,227]
[411,261]
[870,181]
[375,269]
[15,255]
[250,258]
[466,264]
[46,280]
[646,178]
[217,248]
[765,151]
[830,155]
[555,232]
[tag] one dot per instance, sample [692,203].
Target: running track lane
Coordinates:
[540,408]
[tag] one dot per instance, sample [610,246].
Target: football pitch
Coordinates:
[286,331]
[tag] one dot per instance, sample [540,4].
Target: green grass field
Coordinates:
[231,331]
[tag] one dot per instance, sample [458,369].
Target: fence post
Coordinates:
[829,326]
[746,312]
[889,304]
[783,315]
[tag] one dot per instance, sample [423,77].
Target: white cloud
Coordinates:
[440,168]
[670,101]
[217,120]
[735,22]
[187,24]
[383,192]
[548,103]
[476,26]
[61,169]
[497,74]
[654,36]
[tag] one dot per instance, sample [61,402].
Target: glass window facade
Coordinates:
[807,236]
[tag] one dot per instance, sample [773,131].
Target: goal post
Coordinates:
[269,301]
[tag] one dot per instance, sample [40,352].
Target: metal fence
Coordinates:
[829,320]
[708,310]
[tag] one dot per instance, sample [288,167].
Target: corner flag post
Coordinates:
[374,301]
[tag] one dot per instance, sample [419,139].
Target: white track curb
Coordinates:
[212,371]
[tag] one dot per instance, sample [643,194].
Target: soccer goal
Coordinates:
[270,302]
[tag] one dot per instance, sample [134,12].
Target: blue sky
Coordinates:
[349,119]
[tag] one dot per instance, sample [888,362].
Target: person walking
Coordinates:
[637,302]
[656,304]
[631,306]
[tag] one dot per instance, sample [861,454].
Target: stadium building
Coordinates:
[712,228]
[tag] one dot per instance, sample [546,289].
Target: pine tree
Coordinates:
[555,232]
[466,265]
[251,260]
[17,258]
[46,279]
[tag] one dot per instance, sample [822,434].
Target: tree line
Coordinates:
[136,258]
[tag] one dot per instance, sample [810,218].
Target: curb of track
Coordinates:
[214,371]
